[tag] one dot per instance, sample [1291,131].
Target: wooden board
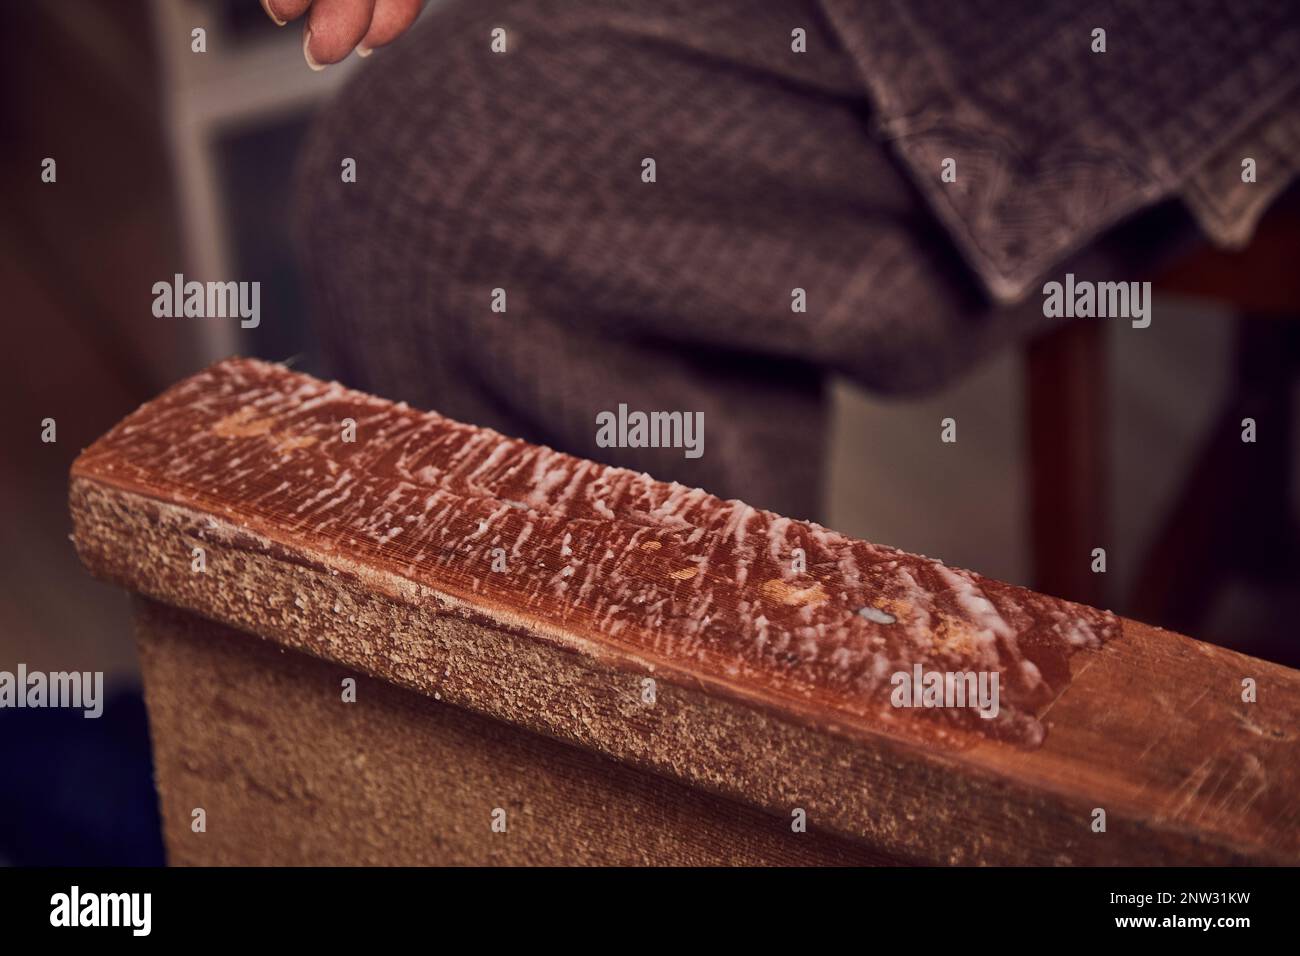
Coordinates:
[289,775]
[544,591]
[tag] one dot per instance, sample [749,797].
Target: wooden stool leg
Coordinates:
[1067,432]
[1233,515]
[1266,358]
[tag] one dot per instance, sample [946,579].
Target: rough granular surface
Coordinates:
[713,590]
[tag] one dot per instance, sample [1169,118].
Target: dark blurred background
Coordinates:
[170,162]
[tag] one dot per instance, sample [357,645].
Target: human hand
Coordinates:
[335,27]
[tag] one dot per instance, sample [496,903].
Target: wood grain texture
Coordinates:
[772,688]
[294,769]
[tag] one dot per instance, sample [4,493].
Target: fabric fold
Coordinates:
[1054,141]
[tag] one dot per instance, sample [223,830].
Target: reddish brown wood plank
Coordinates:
[773,688]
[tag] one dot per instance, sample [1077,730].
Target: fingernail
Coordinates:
[306,52]
[364,50]
[266,5]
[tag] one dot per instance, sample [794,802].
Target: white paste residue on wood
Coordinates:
[671,572]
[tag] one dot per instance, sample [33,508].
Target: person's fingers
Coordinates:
[390,20]
[282,11]
[334,28]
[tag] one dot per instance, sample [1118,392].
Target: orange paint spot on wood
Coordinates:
[783,593]
[292,444]
[242,424]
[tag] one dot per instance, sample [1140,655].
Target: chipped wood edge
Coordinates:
[989,804]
